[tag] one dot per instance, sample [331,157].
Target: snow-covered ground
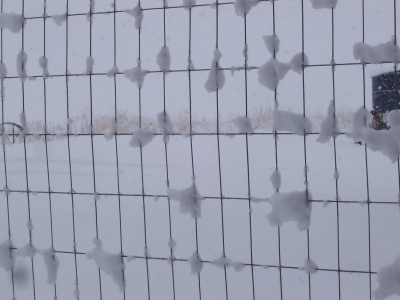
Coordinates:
[137,195]
[353,216]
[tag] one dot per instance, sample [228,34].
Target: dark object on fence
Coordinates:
[385,94]
[11,129]
[377,121]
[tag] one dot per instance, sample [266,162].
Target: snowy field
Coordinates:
[213,204]
[353,217]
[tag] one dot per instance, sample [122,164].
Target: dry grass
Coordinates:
[127,123]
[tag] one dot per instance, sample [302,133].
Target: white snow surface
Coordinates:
[243,124]
[52,263]
[3,70]
[389,281]
[137,13]
[309,266]
[136,75]
[165,124]
[22,58]
[59,19]
[243,7]
[329,127]
[111,264]
[319,4]
[164,59]
[272,43]
[6,259]
[276,179]
[196,265]
[292,206]
[114,70]
[292,122]
[141,137]
[89,65]
[189,200]
[43,63]
[216,77]
[11,21]
[385,141]
[188,3]
[224,261]
[385,52]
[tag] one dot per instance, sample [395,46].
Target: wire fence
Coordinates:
[65,184]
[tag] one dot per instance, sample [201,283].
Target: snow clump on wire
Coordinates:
[273,71]
[111,264]
[243,124]
[136,75]
[293,206]
[137,13]
[329,126]
[384,141]
[389,281]
[141,138]
[309,266]
[216,77]
[196,265]
[11,21]
[288,121]
[164,59]
[165,124]
[385,52]
[243,7]
[189,200]
[319,4]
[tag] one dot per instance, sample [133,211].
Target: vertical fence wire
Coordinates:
[46,138]
[116,141]
[72,192]
[3,137]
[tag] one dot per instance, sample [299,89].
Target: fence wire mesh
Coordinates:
[91,169]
